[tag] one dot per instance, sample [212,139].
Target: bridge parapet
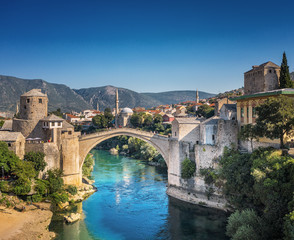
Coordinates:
[122,131]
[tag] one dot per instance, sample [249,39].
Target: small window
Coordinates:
[242,112]
[59,124]
[247,112]
[254,112]
[28,100]
[175,134]
[197,142]
[270,71]
[212,137]
[40,100]
[9,144]
[53,124]
[69,132]
[25,107]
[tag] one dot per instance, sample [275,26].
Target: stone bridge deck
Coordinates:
[89,141]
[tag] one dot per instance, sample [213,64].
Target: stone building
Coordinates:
[220,103]
[228,112]
[124,117]
[262,78]
[34,130]
[260,83]
[15,142]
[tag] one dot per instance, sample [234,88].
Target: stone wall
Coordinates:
[52,155]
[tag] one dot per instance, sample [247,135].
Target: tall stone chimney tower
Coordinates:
[116,108]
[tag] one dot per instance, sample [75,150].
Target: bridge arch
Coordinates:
[89,141]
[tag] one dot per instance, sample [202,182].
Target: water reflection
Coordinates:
[131,203]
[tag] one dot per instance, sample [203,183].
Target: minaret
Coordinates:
[17,109]
[97,106]
[197,96]
[116,108]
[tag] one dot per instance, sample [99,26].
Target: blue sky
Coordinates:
[146,46]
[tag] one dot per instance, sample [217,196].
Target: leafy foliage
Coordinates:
[205,111]
[88,165]
[55,181]
[37,159]
[58,113]
[244,225]
[248,133]
[264,182]
[72,189]
[188,168]
[1,123]
[285,79]
[275,118]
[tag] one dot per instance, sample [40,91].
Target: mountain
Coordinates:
[60,96]
[172,97]
[105,96]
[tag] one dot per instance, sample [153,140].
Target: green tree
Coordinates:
[137,120]
[205,111]
[188,168]
[285,79]
[158,118]
[37,159]
[55,181]
[148,121]
[1,123]
[244,225]
[248,133]
[100,121]
[109,117]
[8,159]
[148,152]
[58,113]
[275,118]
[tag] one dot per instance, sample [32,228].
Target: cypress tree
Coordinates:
[285,80]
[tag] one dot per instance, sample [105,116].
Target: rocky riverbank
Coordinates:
[28,224]
[21,220]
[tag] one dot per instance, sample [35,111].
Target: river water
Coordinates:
[131,203]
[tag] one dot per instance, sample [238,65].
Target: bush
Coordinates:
[5,187]
[37,198]
[37,159]
[209,174]
[72,189]
[188,168]
[244,225]
[41,187]
[22,188]
[88,165]
[55,182]
[59,197]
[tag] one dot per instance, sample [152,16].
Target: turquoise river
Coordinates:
[131,203]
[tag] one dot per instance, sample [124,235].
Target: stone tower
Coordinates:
[33,105]
[262,78]
[116,108]
[97,106]
[197,96]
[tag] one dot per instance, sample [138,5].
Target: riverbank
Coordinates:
[26,221]
[30,224]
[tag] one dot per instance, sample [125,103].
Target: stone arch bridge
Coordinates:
[89,141]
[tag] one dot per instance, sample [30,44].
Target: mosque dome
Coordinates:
[126,110]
